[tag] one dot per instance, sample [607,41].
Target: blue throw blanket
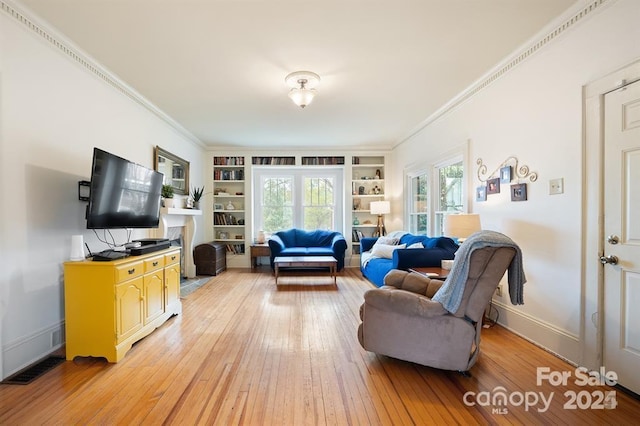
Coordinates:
[450,294]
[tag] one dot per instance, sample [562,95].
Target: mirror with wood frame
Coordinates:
[174,169]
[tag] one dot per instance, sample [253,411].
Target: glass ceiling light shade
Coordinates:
[302,85]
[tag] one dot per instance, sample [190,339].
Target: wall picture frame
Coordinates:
[505,174]
[519,192]
[493,186]
[481,193]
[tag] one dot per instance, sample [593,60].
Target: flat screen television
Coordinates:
[123,194]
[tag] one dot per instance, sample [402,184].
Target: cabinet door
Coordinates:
[153,295]
[129,308]
[172,283]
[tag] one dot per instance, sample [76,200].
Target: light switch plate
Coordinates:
[556,186]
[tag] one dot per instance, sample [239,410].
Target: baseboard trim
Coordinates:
[554,340]
[29,349]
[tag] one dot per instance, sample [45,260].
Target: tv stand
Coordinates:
[111,305]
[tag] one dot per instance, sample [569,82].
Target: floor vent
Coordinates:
[31,373]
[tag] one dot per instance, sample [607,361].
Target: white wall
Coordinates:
[53,112]
[534,112]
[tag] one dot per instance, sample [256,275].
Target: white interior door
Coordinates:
[622,234]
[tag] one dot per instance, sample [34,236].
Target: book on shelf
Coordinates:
[235,248]
[322,161]
[228,161]
[274,161]
[222,174]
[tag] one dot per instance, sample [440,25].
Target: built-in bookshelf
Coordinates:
[322,161]
[229,221]
[367,185]
[274,161]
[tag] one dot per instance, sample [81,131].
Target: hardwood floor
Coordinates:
[246,352]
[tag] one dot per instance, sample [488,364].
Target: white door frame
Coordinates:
[592,279]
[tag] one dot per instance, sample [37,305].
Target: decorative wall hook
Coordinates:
[521,172]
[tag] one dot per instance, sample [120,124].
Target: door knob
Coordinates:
[613,239]
[611,259]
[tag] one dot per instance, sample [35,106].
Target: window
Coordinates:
[418,206]
[297,198]
[434,192]
[319,206]
[276,204]
[450,192]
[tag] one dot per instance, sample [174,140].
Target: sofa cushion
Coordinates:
[385,250]
[316,238]
[294,251]
[409,239]
[288,237]
[319,251]
[388,241]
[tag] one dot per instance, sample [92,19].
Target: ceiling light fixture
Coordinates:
[302,85]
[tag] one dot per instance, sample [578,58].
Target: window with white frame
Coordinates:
[418,208]
[297,198]
[433,193]
[450,189]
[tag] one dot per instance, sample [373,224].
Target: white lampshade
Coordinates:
[380,207]
[461,225]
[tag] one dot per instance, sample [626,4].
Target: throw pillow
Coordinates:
[385,250]
[390,241]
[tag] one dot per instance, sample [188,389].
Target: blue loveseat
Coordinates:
[298,242]
[425,252]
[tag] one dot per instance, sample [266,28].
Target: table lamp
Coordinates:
[380,208]
[461,225]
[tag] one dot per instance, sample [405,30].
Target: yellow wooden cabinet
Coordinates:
[111,305]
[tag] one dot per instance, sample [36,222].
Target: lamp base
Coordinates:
[380,229]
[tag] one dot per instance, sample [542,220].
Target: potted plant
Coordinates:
[196,195]
[167,194]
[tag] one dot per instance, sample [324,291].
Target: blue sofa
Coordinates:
[298,242]
[434,250]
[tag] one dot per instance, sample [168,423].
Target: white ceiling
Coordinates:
[217,67]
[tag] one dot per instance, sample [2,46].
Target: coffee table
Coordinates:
[306,262]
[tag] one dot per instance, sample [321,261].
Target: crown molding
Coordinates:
[58,42]
[566,21]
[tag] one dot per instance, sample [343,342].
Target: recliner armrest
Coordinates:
[413,282]
[403,302]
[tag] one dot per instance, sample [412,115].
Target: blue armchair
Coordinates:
[298,242]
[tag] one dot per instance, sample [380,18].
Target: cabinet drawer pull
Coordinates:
[173,258]
[131,271]
[155,263]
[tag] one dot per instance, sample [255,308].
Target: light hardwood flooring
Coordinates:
[246,352]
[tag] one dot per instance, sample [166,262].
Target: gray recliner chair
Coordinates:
[401,319]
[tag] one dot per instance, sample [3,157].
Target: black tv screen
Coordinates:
[123,194]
